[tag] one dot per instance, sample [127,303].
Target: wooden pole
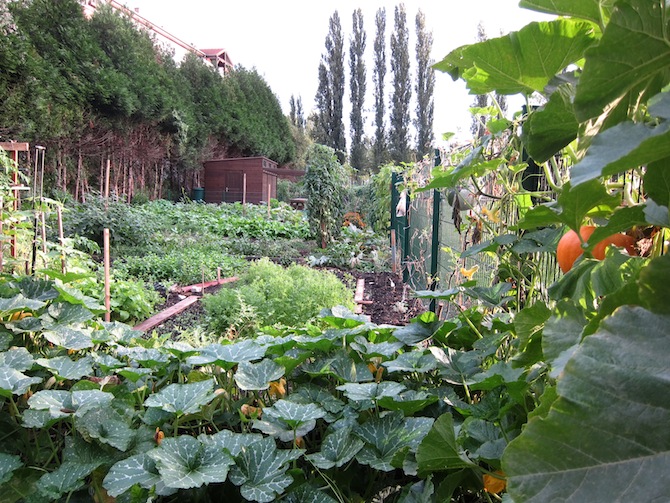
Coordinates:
[2,216]
[44,232]
[269,197]
[61,238]
[107,182]
[108,296]
[244,189]
[393,252]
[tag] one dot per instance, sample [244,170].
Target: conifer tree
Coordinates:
[357,87]
[425,85]
[380,146]
[402,90]
[330,93]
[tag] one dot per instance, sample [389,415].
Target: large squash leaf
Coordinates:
[604,438]
[523,61]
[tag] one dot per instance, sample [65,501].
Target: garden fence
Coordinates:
[428,240]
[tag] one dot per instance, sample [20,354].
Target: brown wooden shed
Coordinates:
[225,180]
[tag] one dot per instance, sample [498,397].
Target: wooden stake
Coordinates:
[269,194]
[61,238]
[2,216]
[244,189]
[107,181]
[44,232]
[108,296]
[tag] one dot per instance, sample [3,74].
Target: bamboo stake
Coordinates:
[393,251]
[108,296]
[2,207]
[61,238]
[44,233]
[107,183]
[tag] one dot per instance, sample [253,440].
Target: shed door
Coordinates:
[234,186]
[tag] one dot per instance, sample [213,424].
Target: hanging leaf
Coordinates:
[385,436]
[260,470]
[440,450]
[13,382]
[371,391]
[227,356]
[337,449]
[257,376]
[17,358]
[182,399]
[68,337]
[307,494]
[614,444]
[231,441]
[633,54]
[123,475]
[67,368]
[184,462]
[62,313]
[107,426]
[19,303]
[367,348]
[523,61]
[412,361]
[592,10]
[409,402]
[8,463]
[68,477]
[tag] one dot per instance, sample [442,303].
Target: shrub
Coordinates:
[288,296]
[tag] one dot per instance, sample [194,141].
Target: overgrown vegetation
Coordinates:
[269,294]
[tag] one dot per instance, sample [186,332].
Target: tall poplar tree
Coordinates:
[402,90]
[330,93]
[425,85]
[357,88]
[478,126]
[380,147]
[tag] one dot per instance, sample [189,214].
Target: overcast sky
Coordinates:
[285,39]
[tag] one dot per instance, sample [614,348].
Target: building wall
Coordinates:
[224,180]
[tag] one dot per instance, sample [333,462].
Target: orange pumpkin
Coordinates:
[569,247]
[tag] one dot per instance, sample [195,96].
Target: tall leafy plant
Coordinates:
[324,186]
[602,68]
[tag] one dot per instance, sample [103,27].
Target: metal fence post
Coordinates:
[435,245]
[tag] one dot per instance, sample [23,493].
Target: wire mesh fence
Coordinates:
[432,229]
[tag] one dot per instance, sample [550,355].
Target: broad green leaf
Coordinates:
[620,148]
[231,441]
[496,375]
[294,413]
[145,356]
[311,393]
[337,449]
[19,303]
[14,382]
[633,53]
[37,289]
[73,296]
[307,494]
[439,450]
[182,399]
[601,439]
[654,285]
[363,346]
[523,61]
[62,313]
[530,321]
[257,376]
[409,402]
[596,11]
[371,391]
[341,317]
[482,439]
[68,477]
[492,296]
[17,358]
[288,420]
[63,403]
[552,127]
[139,469]
[227,356]
[385,436]
[562,335]
[260,470]
[340,365]
[68,337]
[107,426]
[621,220]
[657,182]
[456,367]
[8,463]
[419,492]
[412,361]
[184,462]
[67,368]
[539,241]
